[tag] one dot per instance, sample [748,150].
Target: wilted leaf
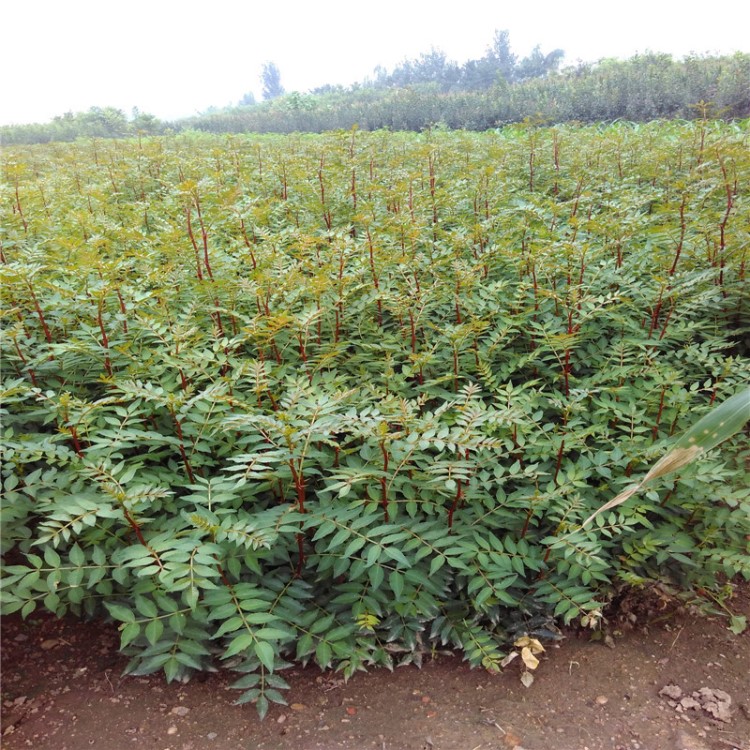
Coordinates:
[529,659]
[738,624]
[533,644]
[508,659]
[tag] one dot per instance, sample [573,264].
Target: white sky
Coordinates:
[174,58]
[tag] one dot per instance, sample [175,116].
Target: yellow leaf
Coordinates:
[529,659]
[532,643]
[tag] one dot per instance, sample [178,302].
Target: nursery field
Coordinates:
[349,398]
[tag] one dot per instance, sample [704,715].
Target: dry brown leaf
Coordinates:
[529,659]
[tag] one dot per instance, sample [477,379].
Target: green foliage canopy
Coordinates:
[339,398]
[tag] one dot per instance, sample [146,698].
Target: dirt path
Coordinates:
[62,690]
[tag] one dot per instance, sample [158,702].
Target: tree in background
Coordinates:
[248,100]
[271,80]
[498,66]
[144,123]
[642,88]
[537,64]
[106,122]
[500,57]
[429,67]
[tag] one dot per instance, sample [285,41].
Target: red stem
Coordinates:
[123,310]
[76,442]
[204,236]
[198,271]
[655,431]
[40,314]
[560,452]
[456,501]
[20,212]
[247,243]
[24,361]
[723,225]
[655,313]
[529,514]
[683,225]
[183,453]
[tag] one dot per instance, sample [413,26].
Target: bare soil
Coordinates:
[62,689]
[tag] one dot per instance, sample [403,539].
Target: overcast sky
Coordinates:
[174,58]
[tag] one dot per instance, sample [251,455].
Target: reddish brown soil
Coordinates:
[62,690]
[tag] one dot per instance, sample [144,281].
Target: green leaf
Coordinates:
[51,557]
[397,555]
[265,653]
[436,563]
[354,546]
[376,575]
[248,681]
[239,643]
[261,706]
[323,655]
[145,606]
[76,555]
[248,696]
[120,612]
[171,668]
[154,631]
[396,581]
[276,681]
[191,596]
[372,555]
[129,633]
[275,696]
[261,618]
[273,634]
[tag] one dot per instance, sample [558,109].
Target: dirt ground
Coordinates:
[62,689]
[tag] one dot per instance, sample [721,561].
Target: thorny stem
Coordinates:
[656,311]
[40,314]
[527,520]
[326,212]
[456,502]
[183,453]
[204,236]
[20,212]
[558,463]
[678,251]
[24,361]
[247,243]
[123,310]
[198,270]
[723,225]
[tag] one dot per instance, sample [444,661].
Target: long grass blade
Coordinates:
[727,419]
